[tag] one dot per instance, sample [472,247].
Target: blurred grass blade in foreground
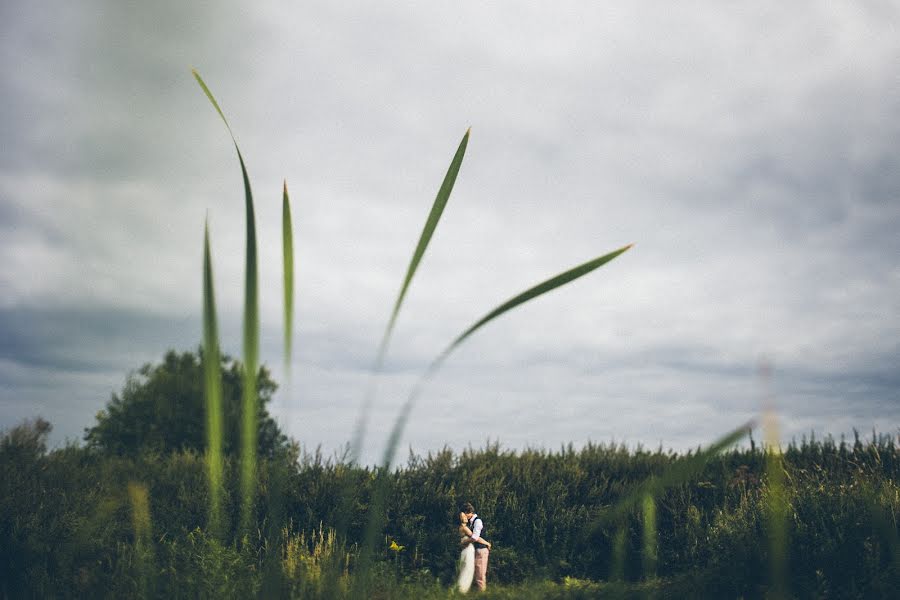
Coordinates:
[434,216]
[139,499]
[529,294]
[776,508]
[679,472]
[649,555]
[376,514]
[287,242]
[212,391]
[249,404]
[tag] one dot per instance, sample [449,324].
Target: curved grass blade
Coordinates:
[437,209]
[776,508]
[678,473]
[529,294]
[249,403]
[379,497]
[212,388]
[434,216]
[287,243]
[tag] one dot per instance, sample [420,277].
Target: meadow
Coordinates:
[229,507]
[77,522]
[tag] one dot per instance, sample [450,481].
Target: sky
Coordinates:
[751,154]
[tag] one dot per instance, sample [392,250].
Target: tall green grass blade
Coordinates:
[376,514]
[776,510]
[287,244]
[529,294]
[434,216]
[679,472]
[250,408]
[619,549]
[212,388]
[249,403]
[213,100]
[431,222]
[649,554]
[139,498]
[437,209]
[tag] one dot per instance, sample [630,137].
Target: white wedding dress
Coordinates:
[466,568]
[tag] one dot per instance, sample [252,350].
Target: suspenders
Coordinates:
[472,527]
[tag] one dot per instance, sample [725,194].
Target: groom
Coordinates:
[482,551]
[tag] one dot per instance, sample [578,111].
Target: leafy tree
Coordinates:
[26,440]
[161,409]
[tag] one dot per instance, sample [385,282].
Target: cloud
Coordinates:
[750,153]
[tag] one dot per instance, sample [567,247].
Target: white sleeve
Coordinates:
[476,529]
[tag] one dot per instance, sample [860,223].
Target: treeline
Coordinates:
[70,523]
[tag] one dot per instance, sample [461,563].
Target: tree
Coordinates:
[26,441]
[161,409]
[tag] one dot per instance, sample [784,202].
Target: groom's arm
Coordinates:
[476,530]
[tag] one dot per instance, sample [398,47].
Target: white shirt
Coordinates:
[477,526]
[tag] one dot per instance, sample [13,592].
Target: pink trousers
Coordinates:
[481,562]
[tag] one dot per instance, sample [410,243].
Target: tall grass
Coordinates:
[249,418]
[212,390]
[431,222]
[67,530]
[776,509]
[287,243]
[139,498]
[649,534]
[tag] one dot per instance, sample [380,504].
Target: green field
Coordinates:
[83,521]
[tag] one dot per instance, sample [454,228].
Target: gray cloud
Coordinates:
[750,153]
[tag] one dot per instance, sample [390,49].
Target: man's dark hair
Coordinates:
[468,508]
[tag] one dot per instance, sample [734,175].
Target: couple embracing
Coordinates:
[473,559]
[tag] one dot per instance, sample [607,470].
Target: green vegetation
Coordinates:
[83,522]
[161,408]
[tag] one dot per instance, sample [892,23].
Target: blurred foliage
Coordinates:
[66,522]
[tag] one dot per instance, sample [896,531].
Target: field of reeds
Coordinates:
[227,520]
[77,523]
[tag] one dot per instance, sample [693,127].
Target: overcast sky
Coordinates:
[752,154]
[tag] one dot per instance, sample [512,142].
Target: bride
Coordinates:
[466,555]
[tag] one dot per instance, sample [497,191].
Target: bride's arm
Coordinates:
[466,533]
[465,541]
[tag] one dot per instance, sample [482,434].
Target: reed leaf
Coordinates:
[249,403]
[376,513]
[139,499]
[437,209]
[287,244]
[434,216]
[529,294]
[619,550]
[776,509]
[679,472]
[212,389]
[649,554]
